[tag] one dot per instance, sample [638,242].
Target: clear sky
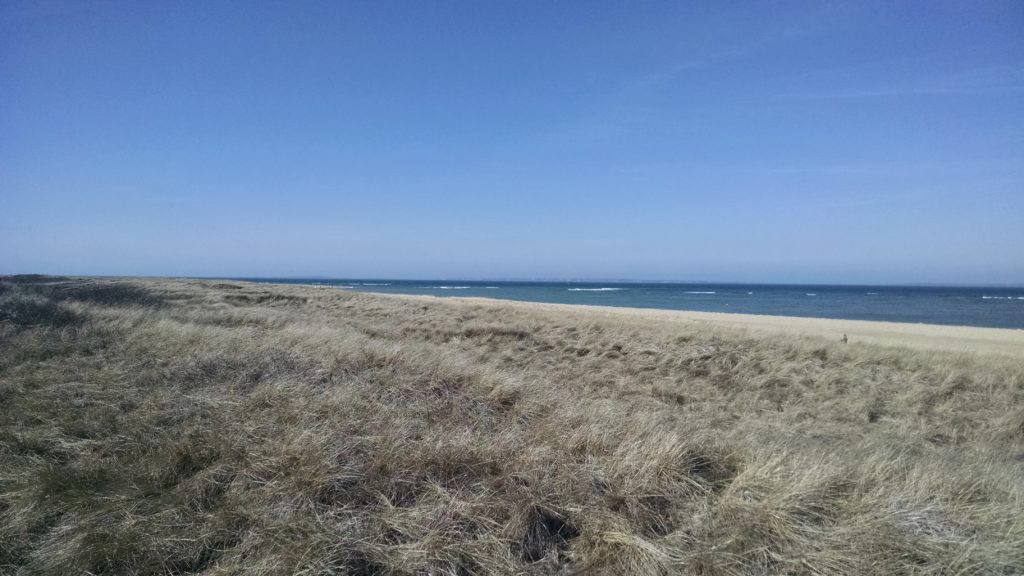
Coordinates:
[848,142]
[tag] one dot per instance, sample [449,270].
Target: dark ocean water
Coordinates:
[993,307]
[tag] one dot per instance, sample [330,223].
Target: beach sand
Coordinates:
[925,337]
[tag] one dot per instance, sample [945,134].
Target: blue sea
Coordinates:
[992,307]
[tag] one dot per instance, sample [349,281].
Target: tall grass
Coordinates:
[187,427]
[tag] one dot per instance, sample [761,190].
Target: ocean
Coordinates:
[962,306]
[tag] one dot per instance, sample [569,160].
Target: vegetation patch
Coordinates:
[192,427]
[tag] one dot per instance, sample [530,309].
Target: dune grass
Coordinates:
[202,427]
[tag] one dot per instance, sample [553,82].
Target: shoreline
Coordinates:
[926,337]
[1005,342]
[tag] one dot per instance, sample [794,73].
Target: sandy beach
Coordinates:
[925,337]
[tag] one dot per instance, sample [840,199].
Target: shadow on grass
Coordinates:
[33,300]
[23,310]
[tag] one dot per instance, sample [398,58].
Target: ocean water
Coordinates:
[966,306]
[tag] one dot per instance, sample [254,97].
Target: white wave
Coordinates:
[811,294]
[491,287]
[872,293]
[1003,297]
[594,289]
[452,287]
[375,284]
[698,292]
[749,292]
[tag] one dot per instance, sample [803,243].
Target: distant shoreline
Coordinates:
[933,337]
[918,335]
[974,306]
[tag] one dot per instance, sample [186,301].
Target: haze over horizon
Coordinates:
[843,142]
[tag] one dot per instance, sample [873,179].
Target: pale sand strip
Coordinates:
[931,337]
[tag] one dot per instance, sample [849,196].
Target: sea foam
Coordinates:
[594,289]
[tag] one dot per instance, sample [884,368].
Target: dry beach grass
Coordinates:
[204,427]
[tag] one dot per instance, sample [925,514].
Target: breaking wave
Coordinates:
[594,289]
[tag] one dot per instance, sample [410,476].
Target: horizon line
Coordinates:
[612,281]
[544,280]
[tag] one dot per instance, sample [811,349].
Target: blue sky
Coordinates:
[847,142]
